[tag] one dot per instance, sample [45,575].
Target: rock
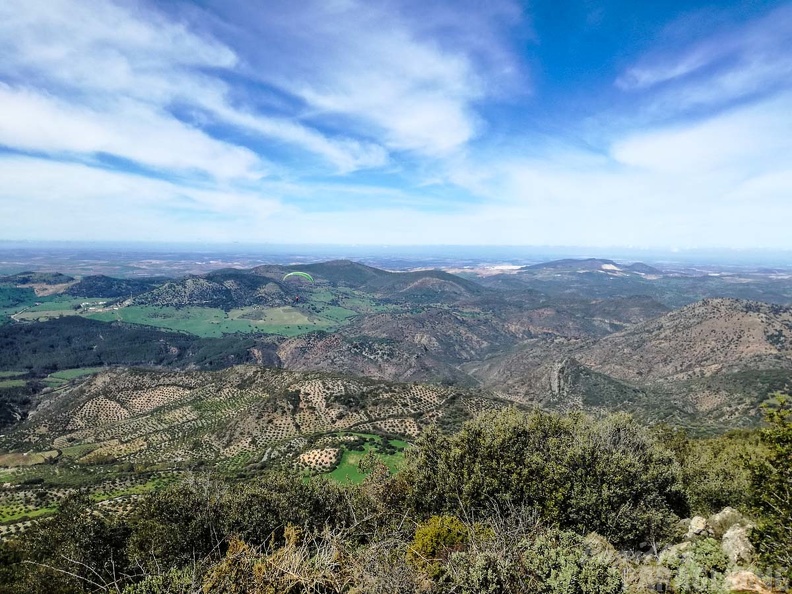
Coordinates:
[725,519]
[698,528]
[672,552]
[745,582]
[736,545]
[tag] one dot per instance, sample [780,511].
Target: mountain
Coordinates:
[225,289]
[574,264]
[699,340]
[710,363]
[241,415]
[263,285]
[346,272]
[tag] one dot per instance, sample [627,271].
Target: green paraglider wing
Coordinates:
[304,275]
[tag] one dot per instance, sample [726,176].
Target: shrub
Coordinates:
[608,476]
[701,570]
[175,581]
[434,541]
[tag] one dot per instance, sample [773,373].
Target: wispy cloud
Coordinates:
[695,68]
[108,205]
[380,67]
[131,64]
[131,130]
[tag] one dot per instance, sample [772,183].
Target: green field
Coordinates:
[46,308]
[11,373]
[139,489]
[12,383]
[70,374]
[14,513]
[214,322]
[347,470]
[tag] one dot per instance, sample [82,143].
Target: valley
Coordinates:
[119,386]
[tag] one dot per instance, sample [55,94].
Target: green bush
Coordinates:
[714,470]
[434,541]
[609,475]
[701,570]
[547,562]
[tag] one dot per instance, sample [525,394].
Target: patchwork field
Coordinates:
[124,424]
[225,417]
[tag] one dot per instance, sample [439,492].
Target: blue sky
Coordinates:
[621,123]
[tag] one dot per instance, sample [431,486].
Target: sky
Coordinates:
[398,122]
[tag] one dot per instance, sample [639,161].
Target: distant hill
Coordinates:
[264,285]
[36,278]
[223,289]
[592,264]
[111,288]
[573,264]
[352,274]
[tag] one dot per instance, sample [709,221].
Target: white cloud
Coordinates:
[386,72]
[132,130]
[108,56]
[42,199]
[739,142]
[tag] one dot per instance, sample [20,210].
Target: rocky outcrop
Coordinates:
[698,528]
[745,582]
[737,546]
[724,520]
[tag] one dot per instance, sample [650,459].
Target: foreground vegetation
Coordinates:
[513,502]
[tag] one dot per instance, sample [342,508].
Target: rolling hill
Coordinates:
[242,415]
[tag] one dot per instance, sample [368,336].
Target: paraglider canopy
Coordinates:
[304,275]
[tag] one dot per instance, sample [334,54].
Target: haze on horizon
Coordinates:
[344,122]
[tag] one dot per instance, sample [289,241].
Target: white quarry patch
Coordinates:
[610,267]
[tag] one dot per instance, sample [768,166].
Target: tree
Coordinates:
[771,486]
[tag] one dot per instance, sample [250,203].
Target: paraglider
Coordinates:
[297,275]
[304,275]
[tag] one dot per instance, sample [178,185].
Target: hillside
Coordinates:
[699,340]
[30,353]
[107,287]
[710,363]
[239,416]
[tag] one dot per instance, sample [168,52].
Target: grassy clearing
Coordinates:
[70,374]
[46,308]
[13,513]
[12,383]
[201,321]
[212,322]
[78,451]
[11,373]
[139,489]
[27,459]
[347,470]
